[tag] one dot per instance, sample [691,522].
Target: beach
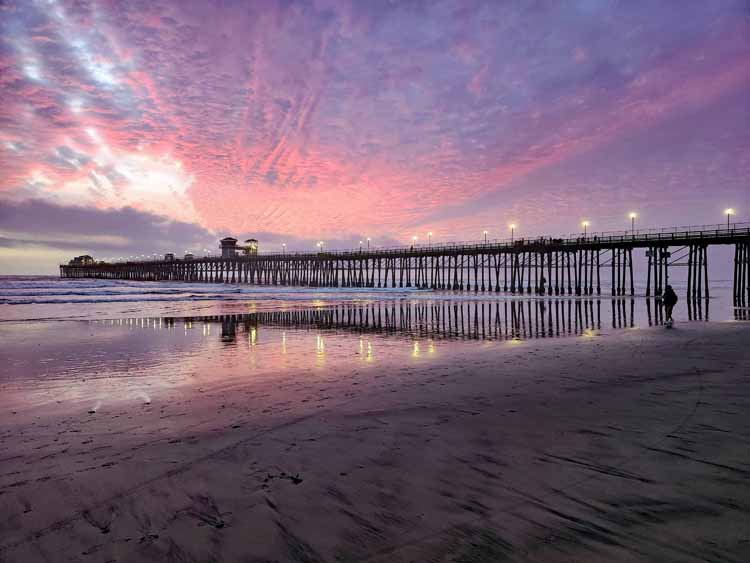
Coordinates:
[627,445]
[325,281]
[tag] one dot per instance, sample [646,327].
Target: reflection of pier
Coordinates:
[470,320]
[578,265]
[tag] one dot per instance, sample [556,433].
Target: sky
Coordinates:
[140,127]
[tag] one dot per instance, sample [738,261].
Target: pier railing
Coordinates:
[713,233]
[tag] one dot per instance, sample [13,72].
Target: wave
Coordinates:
[123,300]
[26,293]
[190,294]
[160,288]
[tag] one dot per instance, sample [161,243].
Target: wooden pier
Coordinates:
[540,266]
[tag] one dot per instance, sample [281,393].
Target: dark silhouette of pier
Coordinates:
[540,266]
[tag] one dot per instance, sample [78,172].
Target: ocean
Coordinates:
[47,298]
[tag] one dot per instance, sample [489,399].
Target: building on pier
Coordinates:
[189,256]
[169,257]
[228,247]
[84,260]
[251,247]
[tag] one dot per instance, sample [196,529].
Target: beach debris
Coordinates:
[100,522]
[207,513]
[296,479]
[148,538]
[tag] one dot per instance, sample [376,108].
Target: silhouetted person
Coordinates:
[670,300]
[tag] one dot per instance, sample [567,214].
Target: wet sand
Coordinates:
[632,446]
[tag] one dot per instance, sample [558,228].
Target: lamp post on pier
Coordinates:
[585,225]
[632,216]
[368,243]
[429,238]
[485,236]
[512,227]
[283,248]
[729,213]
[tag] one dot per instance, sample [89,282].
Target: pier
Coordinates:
[544,265]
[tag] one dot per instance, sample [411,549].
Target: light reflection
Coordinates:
[365,349]
[419,324]
[320,350]
[345,335]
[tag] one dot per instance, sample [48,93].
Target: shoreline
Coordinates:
[538,453]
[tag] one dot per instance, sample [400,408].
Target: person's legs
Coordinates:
[668,311]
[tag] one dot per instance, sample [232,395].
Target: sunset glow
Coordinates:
[165,125]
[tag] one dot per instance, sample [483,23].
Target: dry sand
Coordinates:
[630,447]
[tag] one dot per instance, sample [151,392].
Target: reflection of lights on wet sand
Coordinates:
[320,350]
[365,349]
[318,303]
[588,333]
[283,342]
[253,336]
[416,350]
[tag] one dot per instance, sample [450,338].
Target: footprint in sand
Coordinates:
[99,521]
[204,509]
